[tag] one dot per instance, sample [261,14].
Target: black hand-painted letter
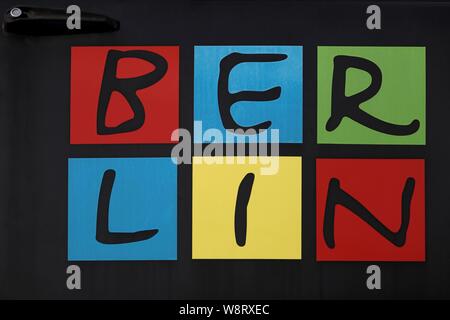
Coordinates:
[103,234]
[227,99]
[127,87]
[343,106]
[337,196]
[240,214]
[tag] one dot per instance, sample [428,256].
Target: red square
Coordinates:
[154,94]
[385,188]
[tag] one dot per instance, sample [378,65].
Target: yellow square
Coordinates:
[273,229]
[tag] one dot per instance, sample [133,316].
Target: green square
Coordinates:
[400,100]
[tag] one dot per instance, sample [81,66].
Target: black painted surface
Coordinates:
[34,141]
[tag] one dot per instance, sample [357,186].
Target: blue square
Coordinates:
[143,197]
[284,112]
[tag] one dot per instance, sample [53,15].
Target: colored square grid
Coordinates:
[273,223]
[390,190]
[284,113]
[145,77]
[399,103]
[143,197]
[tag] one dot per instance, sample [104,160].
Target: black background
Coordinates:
[34,141]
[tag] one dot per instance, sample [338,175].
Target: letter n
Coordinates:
[337,196]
